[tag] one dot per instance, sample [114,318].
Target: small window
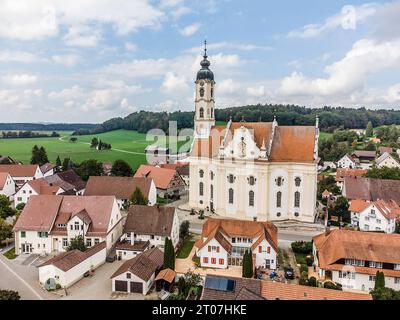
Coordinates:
[279,181]
[296,214]
[252,181]
[278,214]
[297,181]
[231,196]
[65,242]
[96,241]
[279,199]
[231,178]
[211,175]
[128,275]
[152,237]
[201,113]
[88,242]
[201,173]
[201,188]
[23,234]
[297,199]
[205,260]
[251,198]
[221,261]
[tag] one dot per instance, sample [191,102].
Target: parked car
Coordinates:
[289,273]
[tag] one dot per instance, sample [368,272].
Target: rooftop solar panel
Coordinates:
[220,284]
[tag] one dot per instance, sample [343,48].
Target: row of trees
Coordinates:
[39,155]
[99,145]
[28,134]
[330,119]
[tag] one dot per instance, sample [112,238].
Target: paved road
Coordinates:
[10,280]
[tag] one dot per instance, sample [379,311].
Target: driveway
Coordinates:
[98,287]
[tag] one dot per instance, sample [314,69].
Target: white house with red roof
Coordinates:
[7,185]
[48,223]
[22,173]
[224,241]
[377,215]
[34,188]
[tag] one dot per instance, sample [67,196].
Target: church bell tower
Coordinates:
[204,117]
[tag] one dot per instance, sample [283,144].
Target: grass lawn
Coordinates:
[10,254]
[184,251]
[301,258]
[325,136]
[126,145]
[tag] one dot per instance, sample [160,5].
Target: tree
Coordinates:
[89,168]
[369,131]
[184,229]
[99,145]
[77,243]
[247,265]
[312,282]
[5,207]
[121,169]
[43,156]
[384,173]
[20,206]
[379,280]
[58,162]
[35,159]
[73,139]
[385,294]
[67,164]
[138,198]
[94,143]
[5,230]
[169,254]
[9,295]
[341,209]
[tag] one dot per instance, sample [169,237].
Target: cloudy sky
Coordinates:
[64,62]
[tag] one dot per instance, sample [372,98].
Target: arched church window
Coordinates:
[201,113]
[202,92]
[231,178]
[211,175]
[201,188]
[279,181]
[212,112]
[212,92]
[279,199]
[297,181]
[251,198]
[252,180]
[230,196]
[201,173]
[297,199]
[211,191]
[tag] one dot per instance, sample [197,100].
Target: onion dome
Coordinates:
[205,73]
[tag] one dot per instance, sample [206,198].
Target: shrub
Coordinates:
[9,295]
[303,268]
[331,285]
[302,247]
[312,282]
[58,286]
[309,261]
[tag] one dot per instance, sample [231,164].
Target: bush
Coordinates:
[9,295]
[312,282]
[309,261]
[302,247]
[331,285]
[58,286]
[20,206]
[303,268]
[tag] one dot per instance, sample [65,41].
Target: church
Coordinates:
[250,170]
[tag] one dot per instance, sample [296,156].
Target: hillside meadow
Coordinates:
[126,145]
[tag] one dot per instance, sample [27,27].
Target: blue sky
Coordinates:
[60,62]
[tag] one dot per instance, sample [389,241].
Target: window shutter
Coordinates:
[218,249]
[268,249]
[209,248]
[259,249]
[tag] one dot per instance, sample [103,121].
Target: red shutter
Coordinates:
[259,249]
[221,261]
[205,260]
[213,260]
[209,248]
[217,249]
[268,249]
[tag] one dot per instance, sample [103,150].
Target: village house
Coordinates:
[138,274]
[364,155]
[224,241]
[382,150]
[122,188]
[387,160]
[21,173]
[149,223]
[107,166]
[348,162]
[371,189]
[376,215]
[6,160]
[47,169]
[181,167]
[342,173]
[352,258]
[72,178]
[48,223]
[69,267]
[34,188]
[168,181]
[7,185]
[220,288]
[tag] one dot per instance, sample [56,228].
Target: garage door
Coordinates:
[121,286]
[137,287]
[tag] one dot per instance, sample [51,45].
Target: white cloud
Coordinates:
[348,18]
[19,79]
[27,20]
[257,91]
[393,94]
[174,85]
[17,56]
[229,45]
[68,60]
[227,86]
[190,29]
[129,46]
[82,36]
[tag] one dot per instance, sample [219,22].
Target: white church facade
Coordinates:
[250,170]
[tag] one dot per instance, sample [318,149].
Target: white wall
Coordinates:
[122,277]
[68,278]
[8,188]
[346,162]
[222,254]
[367,222]
[152,197]
[39,245]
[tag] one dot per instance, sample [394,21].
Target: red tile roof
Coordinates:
[3,179]
[162,177]
[19,170]
[167,275]
[342,173]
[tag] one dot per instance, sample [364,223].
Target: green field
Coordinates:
[126,145]
[324,136]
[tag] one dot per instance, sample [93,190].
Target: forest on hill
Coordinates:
[46,127]
[330,119]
